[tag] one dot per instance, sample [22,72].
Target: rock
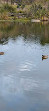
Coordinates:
[35,20]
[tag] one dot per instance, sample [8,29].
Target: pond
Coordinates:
[24,76]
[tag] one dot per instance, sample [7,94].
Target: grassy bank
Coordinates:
[36,10]
[22,20]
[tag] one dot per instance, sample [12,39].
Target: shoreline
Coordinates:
[23,20]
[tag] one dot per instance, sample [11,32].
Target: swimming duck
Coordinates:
[1,53]
[44,57]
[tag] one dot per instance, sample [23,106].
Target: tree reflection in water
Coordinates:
[29,31]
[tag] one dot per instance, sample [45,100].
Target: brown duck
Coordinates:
[44,57]
[1,53]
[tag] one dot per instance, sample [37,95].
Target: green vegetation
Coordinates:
[38,11]
[24,10]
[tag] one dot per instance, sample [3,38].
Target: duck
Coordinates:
[44,57]
[1,53]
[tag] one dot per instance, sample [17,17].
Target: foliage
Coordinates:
[37,10]
[9,8]
[25,8]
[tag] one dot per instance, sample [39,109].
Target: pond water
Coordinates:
[24,76]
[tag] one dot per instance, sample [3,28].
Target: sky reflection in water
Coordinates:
[24,77]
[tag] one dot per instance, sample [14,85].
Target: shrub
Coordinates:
[9,8]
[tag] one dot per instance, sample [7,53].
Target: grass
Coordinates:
[22,20]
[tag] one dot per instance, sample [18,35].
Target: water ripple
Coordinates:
[27,66]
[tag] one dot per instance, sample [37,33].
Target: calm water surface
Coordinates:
[24,77]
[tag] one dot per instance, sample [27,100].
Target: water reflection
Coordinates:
[24,77]
[30,31]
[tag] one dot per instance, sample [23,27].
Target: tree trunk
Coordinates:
[7,1]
